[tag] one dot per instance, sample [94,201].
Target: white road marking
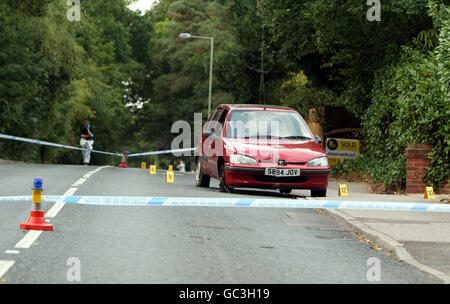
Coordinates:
[79,182]
[4,267]
[28,239]
[60,204]
[33,235]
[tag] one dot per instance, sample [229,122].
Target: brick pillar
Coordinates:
[417,162]
[314,122]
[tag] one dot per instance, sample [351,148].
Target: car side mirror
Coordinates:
[318,139]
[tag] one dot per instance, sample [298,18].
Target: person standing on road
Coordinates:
[181,167]
[87,142]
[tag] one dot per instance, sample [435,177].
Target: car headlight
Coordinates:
[318,162]
[240,159]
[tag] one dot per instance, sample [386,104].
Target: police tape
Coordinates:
[46,143]
[235,202]
[162,152]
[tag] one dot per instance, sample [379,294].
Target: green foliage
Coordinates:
[336,46]
[180,67]
[391,173]
[392,74]
[133,77]
[297,92]
[54,74]
[410,103]
[440,157]
[36,63]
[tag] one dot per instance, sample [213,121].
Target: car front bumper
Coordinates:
[254,177]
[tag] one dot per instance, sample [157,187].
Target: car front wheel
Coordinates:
[201,180]
[223,183]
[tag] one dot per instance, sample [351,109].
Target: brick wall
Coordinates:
[417,162]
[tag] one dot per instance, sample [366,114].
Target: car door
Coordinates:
[217,144]
[208,141]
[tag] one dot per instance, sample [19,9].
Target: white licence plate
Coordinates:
[282,172]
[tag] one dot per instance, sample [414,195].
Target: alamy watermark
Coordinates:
[73,274]
[374,12]
[374,272]
[248,133]
[74,12]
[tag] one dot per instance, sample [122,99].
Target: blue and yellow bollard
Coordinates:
[36,221]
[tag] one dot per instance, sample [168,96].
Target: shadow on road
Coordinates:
[258,192]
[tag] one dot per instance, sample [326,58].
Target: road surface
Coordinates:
[131,244]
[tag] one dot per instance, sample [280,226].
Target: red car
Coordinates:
[255,146]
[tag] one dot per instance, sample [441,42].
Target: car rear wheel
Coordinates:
[223,183]
[319,193]
[201,180]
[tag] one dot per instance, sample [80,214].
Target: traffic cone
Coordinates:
[123,164]
[36,221]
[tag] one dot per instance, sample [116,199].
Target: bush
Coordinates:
[391,173]
[410,103]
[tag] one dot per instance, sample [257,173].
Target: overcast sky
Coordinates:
[142,5]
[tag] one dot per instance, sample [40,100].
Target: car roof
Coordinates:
[255,106]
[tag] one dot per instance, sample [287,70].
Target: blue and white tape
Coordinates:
[162,152]
[46,143]
[235,202]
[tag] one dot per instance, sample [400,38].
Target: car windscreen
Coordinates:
[267,124]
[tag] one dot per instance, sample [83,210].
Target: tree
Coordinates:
[180,68]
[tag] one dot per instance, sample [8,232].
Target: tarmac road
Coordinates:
[130,244]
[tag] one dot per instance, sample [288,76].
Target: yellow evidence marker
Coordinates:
[170,176]
[343,190]
[153,169]
[143,166]
[170,168]
[429,193]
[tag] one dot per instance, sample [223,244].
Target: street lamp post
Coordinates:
[189,36]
